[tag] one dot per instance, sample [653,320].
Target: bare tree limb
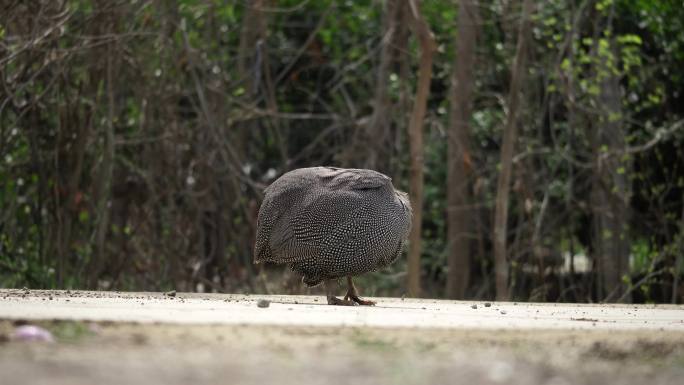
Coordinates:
[460,218]
[427,48]
[510,136]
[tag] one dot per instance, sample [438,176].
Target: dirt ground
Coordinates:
[141,339]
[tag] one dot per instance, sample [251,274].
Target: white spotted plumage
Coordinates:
[332,222]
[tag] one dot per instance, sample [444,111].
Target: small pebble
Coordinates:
[503,311]
[171,293]
[473,306]
[263,303]
[487,304]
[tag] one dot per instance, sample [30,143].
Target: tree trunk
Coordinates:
[678,260]
[401,110]
[427,48]
[105,178]
[610,192]
[377,129]
[250,67]
[509,139]
[459,213]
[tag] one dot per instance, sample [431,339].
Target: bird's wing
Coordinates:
[275,239]
[274,228]
[303,210]
[304,233]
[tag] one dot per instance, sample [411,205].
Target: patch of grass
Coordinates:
[678,361]
[364,340]
[422,346]
[653,352]
[70,331]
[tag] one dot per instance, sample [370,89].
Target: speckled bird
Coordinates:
[328,223]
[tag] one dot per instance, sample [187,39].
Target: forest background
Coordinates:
[541,142]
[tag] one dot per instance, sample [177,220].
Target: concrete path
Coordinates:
[223,309]
[153,339]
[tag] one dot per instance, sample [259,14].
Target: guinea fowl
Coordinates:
[329,223]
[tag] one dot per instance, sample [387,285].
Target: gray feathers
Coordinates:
[331,222]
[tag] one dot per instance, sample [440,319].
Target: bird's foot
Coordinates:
[355,298]
[332,300]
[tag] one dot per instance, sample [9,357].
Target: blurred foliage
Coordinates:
[136,136]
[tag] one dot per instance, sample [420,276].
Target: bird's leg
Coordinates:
[330,288]
[353,295]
